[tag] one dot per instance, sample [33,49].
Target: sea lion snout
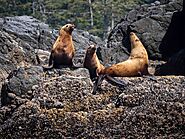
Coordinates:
[93,47]
[71,27]
[131,33]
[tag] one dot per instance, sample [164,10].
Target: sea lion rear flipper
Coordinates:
[76,66]
[150,77]
[113,80]
[97,83]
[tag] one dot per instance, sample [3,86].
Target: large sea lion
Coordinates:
[137,63]
[63,50]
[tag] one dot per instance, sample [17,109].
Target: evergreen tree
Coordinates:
[96,16]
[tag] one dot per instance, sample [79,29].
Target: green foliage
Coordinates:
[15,7]
[56,13]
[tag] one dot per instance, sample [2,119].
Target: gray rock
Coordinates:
[150,22]
[48,89]
[61,108]
[19,82]
[23,38]
[58,103]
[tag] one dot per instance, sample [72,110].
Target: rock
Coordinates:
[174,66]
[28,83]
[150,23]
[23,38]
[61,108]
[43,56]
[19,83]
[173,47]
[58,103]
[173,40]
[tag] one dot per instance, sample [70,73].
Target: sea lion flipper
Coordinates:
[97,83]
[51,58]
[47,68]
[150,77]
[113,80]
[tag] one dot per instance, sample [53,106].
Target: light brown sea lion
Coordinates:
[63,50]
[137,63]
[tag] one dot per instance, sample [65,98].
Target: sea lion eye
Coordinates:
[66,25]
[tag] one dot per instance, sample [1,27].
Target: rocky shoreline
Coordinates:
[59,103]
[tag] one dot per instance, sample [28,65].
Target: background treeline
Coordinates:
[96,16]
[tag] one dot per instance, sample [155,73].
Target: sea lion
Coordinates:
[63,50]
[92,63]
[137,63]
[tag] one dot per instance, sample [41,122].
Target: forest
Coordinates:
[96,16]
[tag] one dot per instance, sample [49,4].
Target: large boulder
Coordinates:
[173,46]
[150,22]
[173,41]
[174,66]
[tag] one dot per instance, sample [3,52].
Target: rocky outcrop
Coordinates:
[25,84]
[59,104]
[174,66]
[173,46]
[23,37]
[150,22]
[173,41]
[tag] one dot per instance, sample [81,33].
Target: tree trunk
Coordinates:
[91,13]
[33,7]
[112,16]
[105,18]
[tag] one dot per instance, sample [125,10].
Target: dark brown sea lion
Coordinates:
[92,63]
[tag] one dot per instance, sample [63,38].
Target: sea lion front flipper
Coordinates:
[51,58]
[97,83]
[115,81]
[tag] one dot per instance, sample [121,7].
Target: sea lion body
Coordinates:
[137,63]
[92,63]
[127,69]
[63,50]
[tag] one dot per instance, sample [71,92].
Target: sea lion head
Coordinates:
[91,49]
[68,28]
[134,40]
